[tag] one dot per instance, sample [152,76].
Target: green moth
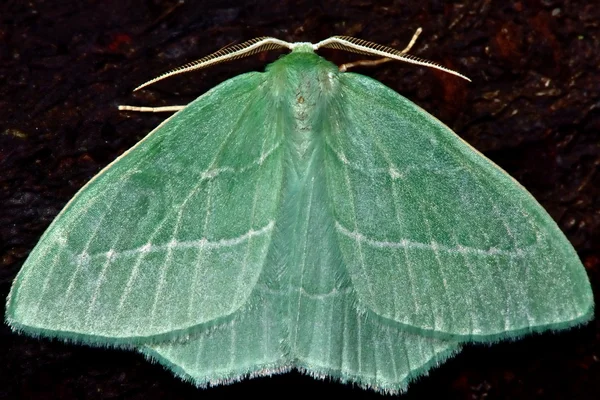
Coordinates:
[303,217]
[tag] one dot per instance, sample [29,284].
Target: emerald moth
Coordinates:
[303,217]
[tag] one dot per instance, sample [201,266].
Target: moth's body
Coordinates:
[311,81]
[300,218]
[311,270]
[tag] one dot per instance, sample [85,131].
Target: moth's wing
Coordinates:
[309,320]
[330,335]
[171,236]
[435,236]
[250,344]
[350,347]
[342,342]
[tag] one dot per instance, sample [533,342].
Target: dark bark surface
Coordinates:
[533,108]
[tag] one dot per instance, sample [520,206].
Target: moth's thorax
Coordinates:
[302,76]
[303,83]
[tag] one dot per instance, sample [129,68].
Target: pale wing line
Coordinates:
[213,172]
[344,358]
[468,299]
[266,333]
[330,324]
[162,280]
[501,283]
[396,261]
[245,263]
[409,263]
[64,241]
[511,235]
[359,335]
[322,296]
[538,236]
[232,348]
[518,250]
[545,255]
[405,350]
[252,214]
[388,335]
[53,264]
[84,254]
[142,255]
[165,266]
[435,317]
[169,247]
[409,271]
[424,217]
[392,170]
[141,252]
[200,349]
[352,202]
[309,208]
[211,245]
[92,202]
[517,184]
[229,242]
[199,257]
[101,279]
[409,244]
[392,167]
[259,161]
[376,361]
[469,266]
[135,269]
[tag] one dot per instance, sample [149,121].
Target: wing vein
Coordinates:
[84,257]
[353,210]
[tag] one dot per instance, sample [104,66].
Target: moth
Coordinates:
[303,217]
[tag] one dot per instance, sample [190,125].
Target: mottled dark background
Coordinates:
[533,108]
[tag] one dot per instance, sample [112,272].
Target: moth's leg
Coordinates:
[151,109]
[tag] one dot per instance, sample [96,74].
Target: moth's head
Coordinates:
[301,61]
[302,73]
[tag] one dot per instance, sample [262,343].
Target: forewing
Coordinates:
[435,236]
[170,236]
